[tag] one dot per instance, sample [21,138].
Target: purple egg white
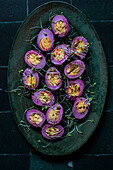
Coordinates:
[30,79]
[80,108]
[45,40]
[74,69]
[60,26]
[43,98]
[54,114]
[35,117]
[60,54]
[80,47]
[52,132]
[52,79]
[35,59]
[74,89]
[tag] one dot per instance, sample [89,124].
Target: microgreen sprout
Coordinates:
[20,70]
[68,46]
[50,28]
[46,107]
[54,69]
[58,107]
[69,134]
[45,33]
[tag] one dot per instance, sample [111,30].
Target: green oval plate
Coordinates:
[97,71]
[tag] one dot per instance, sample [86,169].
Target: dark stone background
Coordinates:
[15,151]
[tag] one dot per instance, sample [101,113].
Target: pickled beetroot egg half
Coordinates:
[74,69]
[35,117]
[60,54]
[80,108]
[54,114]
[74,89]
[52,79]
[35,59]
[60,26]
[43,98]
[80,47]
[45,40]
[30,79]
[52,131]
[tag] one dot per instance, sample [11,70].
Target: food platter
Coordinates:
[95,66]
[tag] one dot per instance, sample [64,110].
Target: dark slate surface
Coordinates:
[93,162]
[34,3]
[7,32]
[105,31]
[12,141]
[12,10]
[15,152]
[95,9]
[14,162]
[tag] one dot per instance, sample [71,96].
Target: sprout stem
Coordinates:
[36,27]
[35,47]
[45,146]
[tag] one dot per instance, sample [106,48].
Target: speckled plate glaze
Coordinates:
[96,68]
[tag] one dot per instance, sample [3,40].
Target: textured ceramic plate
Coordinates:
[96,68]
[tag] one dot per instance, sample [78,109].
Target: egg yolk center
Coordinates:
[58,54]
[45,97]
[34,59]
[53,79]
[52,131]
[31,81]
[73,69]
[53,115]
[74,90]
[60,27]
[81,106]
[35,118]
[79,46]
[45,43]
